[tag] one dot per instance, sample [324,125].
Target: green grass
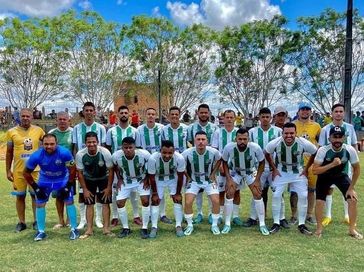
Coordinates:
[242,250]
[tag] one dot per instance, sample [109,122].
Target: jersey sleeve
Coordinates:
[217,154]
[74,135]
[33,161]
[67,157]
[225,152]
[8,138]
[259,153]
[189,133]
[308,146]
[103,134]
[107,157]
[151,166]
[271,146]
[320,155]
[108,137]
[215,139]
[322,138]
[354,158]
[353,137]
[181,163]
[79,164]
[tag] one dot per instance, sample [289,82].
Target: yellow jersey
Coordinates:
[24,142]
[310,131]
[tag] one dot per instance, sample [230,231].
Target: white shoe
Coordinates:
[81,225]
[99,223]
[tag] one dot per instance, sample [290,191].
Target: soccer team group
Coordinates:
[130,163]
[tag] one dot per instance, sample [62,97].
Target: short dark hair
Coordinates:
[204,106]
[289,125]
[336,106]
[175,108]
[123,107]
[150,108]
[167,143]
[91,134]
[200,132]
[228,111]
[50,135]
[242,131]
[128,140]
[265,110]
[88,104]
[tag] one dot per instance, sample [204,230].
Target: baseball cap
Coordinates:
[337,130]
[279,109]
[304,105]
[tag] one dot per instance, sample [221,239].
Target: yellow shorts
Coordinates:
[311,179]
[20,184]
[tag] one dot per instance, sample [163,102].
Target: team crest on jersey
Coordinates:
[249,158]
[58,162]
[101,163]
[172,169]
[208,162]
[28,144]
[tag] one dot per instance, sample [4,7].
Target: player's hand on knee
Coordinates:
[87,195]
[352,195]
[155,198]
[177,198]
[119,183]
[40,194]
[106,194]
[275,173]
[256,190]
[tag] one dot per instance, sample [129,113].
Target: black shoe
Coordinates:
[20,227]
[124,233]
[144,233]
[35,225]
[275,228]
[284,224]
[250,222]
[304,230]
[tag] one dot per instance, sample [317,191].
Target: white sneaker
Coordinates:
[99,223]
[81,225]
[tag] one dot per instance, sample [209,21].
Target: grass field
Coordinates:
[242,250]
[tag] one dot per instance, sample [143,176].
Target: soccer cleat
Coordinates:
[304,230]
[210,219]
[356,235]
[237,221]
[311,220]
[39,236]
[346,220]
[188,230]
[263,230]
[35,225]
[114,222]
[74,234]
[138,221]
[198,219]
[250,222]
[293,220]
[275,228]
[153,233]
[99,223]
[81,225]
[124,233]
[166,220]
[144,233]
[20,227]
[326,221]
[226,229]
[215,230]
[284,224]
[179,232]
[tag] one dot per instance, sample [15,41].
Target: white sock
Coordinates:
[346,208]
[276,208]
[222,211]
[253,212]
[178,214]
[114,206]
[236,210]
[135,204]
[209,205]
[259,207]
[162,207]
[282,213]
[145,216]
[328,205]
[302,209]
[98,213]
[154,216]
[188,218]
[123,216]
[82,207]
[199,203]
[228,210]
[215,218]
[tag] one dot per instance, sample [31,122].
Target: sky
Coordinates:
[214,13]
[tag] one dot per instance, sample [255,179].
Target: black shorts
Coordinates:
[324,183]
[96,187]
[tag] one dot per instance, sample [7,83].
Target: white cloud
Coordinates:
[85,4]
[156,12]
[220,13]
[35,7]
[119,2]
[6,15]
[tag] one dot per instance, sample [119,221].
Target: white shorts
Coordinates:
[242,181]
[125,191]
[171,184]
[210,188]
[266,178]
[297,183]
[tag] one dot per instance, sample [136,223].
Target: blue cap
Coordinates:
[304,105]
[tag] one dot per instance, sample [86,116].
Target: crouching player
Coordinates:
[57,173]
[166,170]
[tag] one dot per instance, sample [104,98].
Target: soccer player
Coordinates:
[57,173]
[221,137]
[166,170]
[22,141]
[114,137]
[63,133]
[130,167]
[309,130]
[239,161]
[202,163]
[262,135]
[288,169]
[202,124]
[330,163]
[94,165]
[78,141]
[338,113]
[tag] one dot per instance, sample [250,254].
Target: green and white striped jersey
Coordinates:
[166,170]
[209,128]
[134,170]
[64,138]
[150,138]
[177,136]
[242,162]
[289,159]
[222,137]
[80,130]
[199,167]
[116,134]
[350,134]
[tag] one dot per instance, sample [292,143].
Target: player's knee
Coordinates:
[120,203]
[145,201]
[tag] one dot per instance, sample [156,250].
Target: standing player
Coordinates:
[287,169]
[22,141]
[330,163]
[166,170]
[114,137]
[95,175]
[78,141]
[338,113]
[130,167]
[202,163]
[57,173]
[239,161]
[202,124]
